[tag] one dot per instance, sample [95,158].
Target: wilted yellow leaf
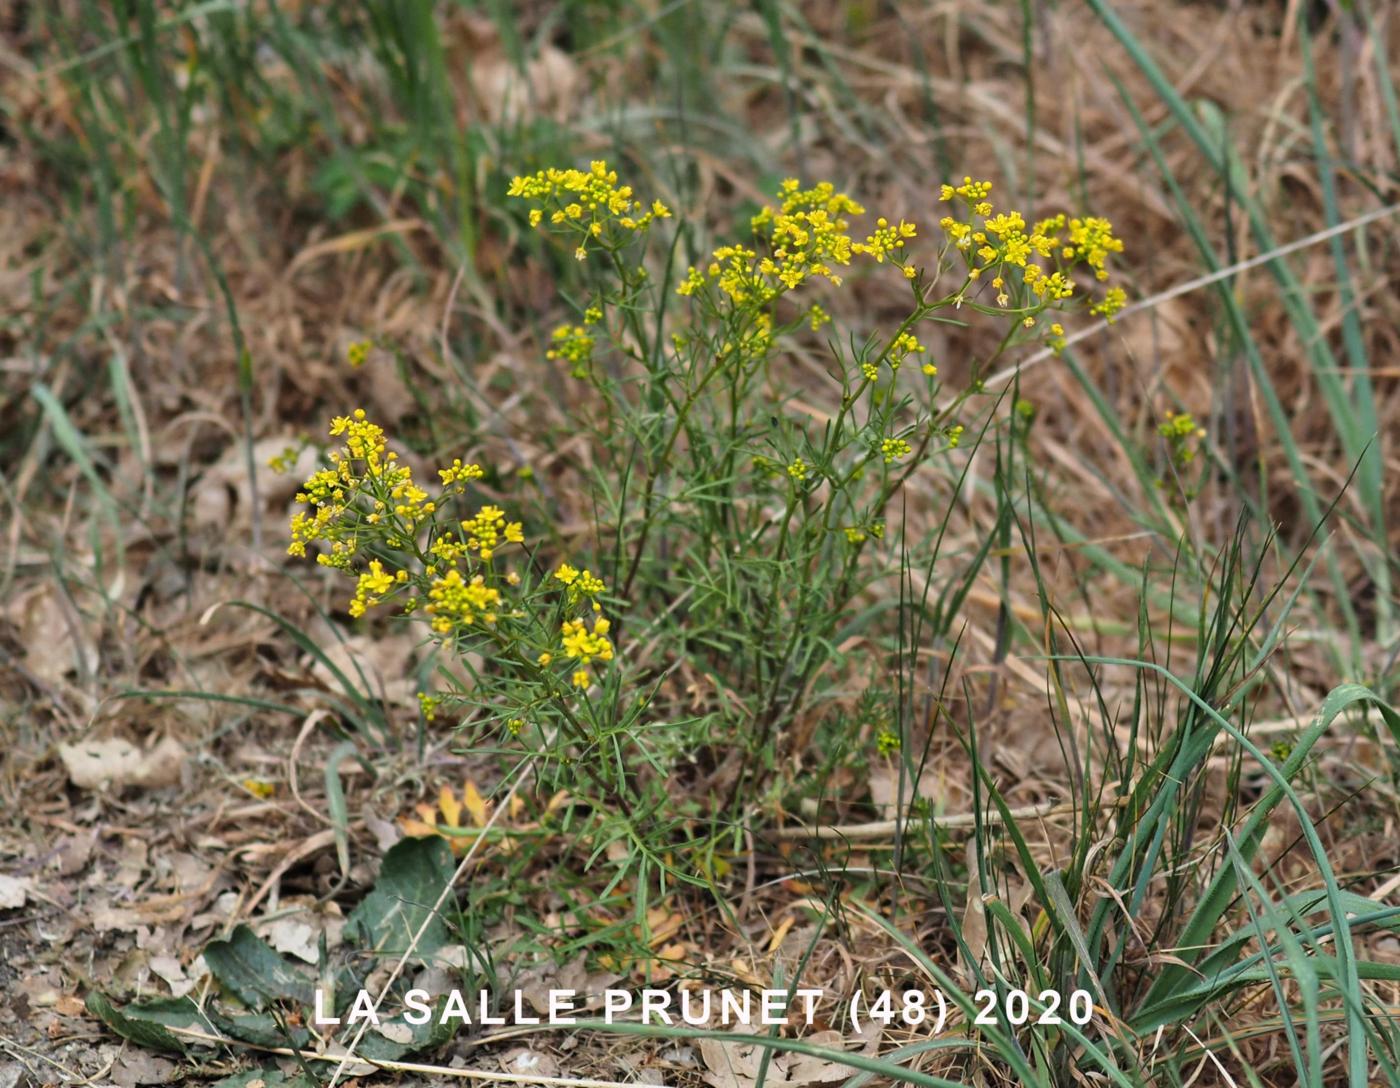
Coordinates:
[775,942]
[474,803]
[451,809]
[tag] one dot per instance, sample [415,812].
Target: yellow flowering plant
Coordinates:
[733,527]
[459,563]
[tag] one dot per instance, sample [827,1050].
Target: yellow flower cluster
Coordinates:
[589,202]
[365,486]
[357,353]
[367,499]
[283,462]
[886,241]
[373,585]
[485,532]
[805,237]
[1003,243]
[572,345]
[974,192]
[581,584]
[586,646]
[1091,240]
[456,602]
[900,348]
[1181,432]
[856,534]
[1114,299]
[905,344]
[892,449]
[457,475]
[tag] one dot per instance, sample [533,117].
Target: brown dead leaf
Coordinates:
[56,642]
[736,1065]
[114,763]
[507,94]
[70,1005]
[14,892]
[223,493]
[529,1063]
[974,922]
[933,785]
[382,660]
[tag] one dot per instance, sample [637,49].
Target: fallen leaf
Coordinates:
[14,892]
[377,666]
[70,1005]
[737,1065]
[294,937]
[933,786]
[98,764]
[223,494]
[55,642]
[511,93]
[474,803]
[530,1063]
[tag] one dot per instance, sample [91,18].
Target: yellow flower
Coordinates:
[485,532]
[590,202]
[458,473]
[580,584]
[892,449]
[371,587]
[1114,299]
[885,240]
[285,461]
[572,345]
[904,345]
[1092,240]
[585,646]
[456,602]
[364,484]
[357,353]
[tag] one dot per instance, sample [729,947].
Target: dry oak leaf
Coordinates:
[55,642]
[736,1065]
[98,764]
[14,892]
